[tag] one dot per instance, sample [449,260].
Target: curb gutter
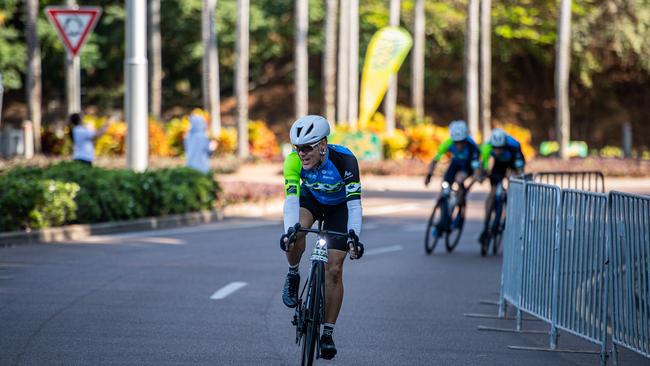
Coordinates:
[80,231]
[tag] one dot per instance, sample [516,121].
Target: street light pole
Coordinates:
[73,75]
[135,96]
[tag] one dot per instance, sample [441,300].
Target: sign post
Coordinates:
[73,25]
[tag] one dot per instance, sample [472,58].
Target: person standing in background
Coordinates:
[198,147]
[83,139]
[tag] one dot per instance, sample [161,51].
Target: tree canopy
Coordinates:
[610,56]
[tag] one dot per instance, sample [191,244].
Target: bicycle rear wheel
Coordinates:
[499,226]
[457,221]
[313,314]
[433,233]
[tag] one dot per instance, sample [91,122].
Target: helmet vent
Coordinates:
[311,127]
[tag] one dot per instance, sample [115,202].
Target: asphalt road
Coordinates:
[153,298]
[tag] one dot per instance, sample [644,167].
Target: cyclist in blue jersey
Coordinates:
[508,159]
[321,183]
[464,158]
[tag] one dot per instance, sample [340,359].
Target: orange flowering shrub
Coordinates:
[177,128]
[262,141]
[227,141]
[424,140]
[158,143]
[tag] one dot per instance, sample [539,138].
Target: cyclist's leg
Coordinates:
[461,176]
[489,201]
[337,220]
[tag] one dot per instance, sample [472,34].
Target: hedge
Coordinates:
[71,192]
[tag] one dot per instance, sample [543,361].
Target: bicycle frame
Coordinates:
[305,316]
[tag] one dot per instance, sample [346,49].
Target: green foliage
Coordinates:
[35,203]
[13,54]
[103,194]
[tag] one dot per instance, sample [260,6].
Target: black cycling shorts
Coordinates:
[454,168]
[335,218]
[500,171]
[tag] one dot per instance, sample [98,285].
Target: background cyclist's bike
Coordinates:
[310,312]
[447,218]
[496,222]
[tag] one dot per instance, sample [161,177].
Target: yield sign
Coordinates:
[73,24]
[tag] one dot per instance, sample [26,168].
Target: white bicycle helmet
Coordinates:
[309,129]
[498,138]
[458,130]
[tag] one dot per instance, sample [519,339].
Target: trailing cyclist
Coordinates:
[321,183]
[464,158]
[508,159]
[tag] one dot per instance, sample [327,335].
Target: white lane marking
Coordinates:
[388,209]
[227,290]
[392,248]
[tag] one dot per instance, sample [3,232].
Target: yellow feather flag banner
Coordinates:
[386,52]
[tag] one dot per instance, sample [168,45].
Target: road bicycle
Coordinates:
[496,222]
[310,312]
[447,218]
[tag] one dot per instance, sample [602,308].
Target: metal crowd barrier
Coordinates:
[580,288]
[591,181]
[542,223]
[567,252]
[512,247]
[629,218]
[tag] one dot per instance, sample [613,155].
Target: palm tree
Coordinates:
[241,76]
[391,94]
[155,59]
[562,70]
[210,66]
[342,75]
[486,67]
[417,72]
[353,65]
[301,28]
[33,82]
[471,66]
[329,61]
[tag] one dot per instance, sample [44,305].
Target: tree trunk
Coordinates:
[33,82]
[471,67]
[302,74]
[155,60]
[353,69]
[344,52]
[562,70]
[417,71]
[486,67]
[391,94]
[210,66]
[241,76]
[329,61]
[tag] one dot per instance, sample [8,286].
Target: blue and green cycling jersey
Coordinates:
[468,155]
[335,181]
[510,155]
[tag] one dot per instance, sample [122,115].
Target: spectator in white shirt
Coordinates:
[83,139]
[198,147]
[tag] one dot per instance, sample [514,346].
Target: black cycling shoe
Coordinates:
[290,291]
[327,347]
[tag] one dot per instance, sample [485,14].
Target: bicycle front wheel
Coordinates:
[313,314]
[433,233]
[457,218]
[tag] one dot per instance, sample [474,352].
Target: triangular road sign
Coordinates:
[73,24]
